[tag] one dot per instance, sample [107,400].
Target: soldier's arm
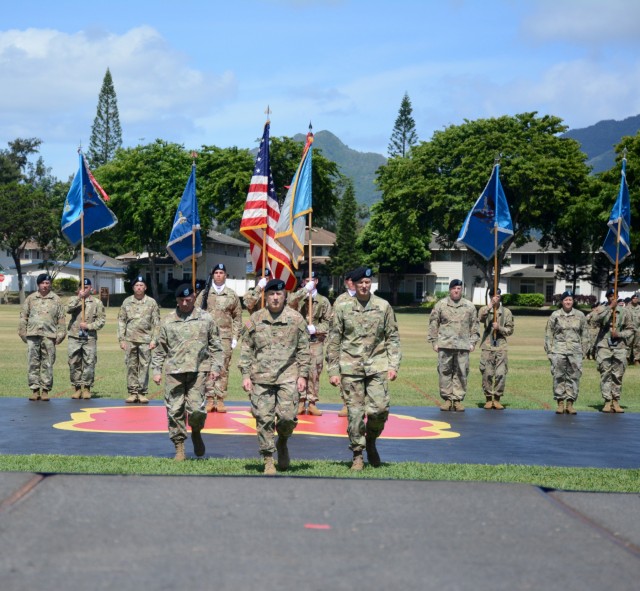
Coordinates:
[332,355]
[627,329]
[73,304]
[392,340]
[548,335]
[303,352]
[24,318]
[122,323]
[214,349]
[61,330]
[434,325]
[584,335]
[159,354]
[296,298]
[507,329]
[100,319]
[322,327]
[484,312]
[236,315]
[474,329]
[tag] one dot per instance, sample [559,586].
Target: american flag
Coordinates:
[261,212]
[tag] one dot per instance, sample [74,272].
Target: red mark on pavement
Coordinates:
[317,526]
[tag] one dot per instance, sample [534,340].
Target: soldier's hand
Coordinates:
[84,325]
[615,334]
[262,283]
[247,386]
[334,380]
[157,378]
[471,348]
[435,348]
[123,345]
[234,343]
[59,340]
[495,326]
[213,376]
[152,346]
[392,374]
[302,384]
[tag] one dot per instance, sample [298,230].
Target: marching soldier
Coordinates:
[251,299]
[634,345]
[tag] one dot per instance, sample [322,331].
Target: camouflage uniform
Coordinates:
[593,334]
[252,299]
[138,324]
[566,341]
[634,343]
[42,327]
[274,354]
[493,353]
[345,296]
[189,348]
[363,345]
[226,310]
[453,328]
[611,354]
[321,312]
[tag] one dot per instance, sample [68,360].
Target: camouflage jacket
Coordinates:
[505,327]
[138,320]
[321,310]
[94,316]
[453,325]
[363,339]
[624,327]
[42,317]
[275,350]
[226,310]
[188,343]
[634,312]
[567,333]
[252,299]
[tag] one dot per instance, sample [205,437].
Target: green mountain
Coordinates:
[598,141]
[360,167]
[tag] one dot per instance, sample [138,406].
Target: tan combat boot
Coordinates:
[447,405]
[44,395]
[210,406]
[198,443]
[133,397]
[496,403]
[220,407]
[560,407]
[570,410]
[78,393]
[458,406]
[283,453]
[179,457]
[35,395]
[607,406]
[344,411]
[301,409]
[615,406]
[142,399]
[86,393]
[358,463]
[269,466]
[489,403]
[372,452]
[313,410]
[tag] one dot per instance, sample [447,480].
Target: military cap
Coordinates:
[200,284]
[627,300]
[566,294]
[635,295]
[349,274]
[361,273]
[267,273]
[491,294]
[184,291]
[87,281]
[219,267]
[43,277]
[610,292]
[139,279]
[274,285]
[455,283]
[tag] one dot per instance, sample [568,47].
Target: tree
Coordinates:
[106,133]
[403,136]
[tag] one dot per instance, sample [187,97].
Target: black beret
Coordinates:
[361,273]
[219,267]
[87,281]
[610,292]
[566,294]
[139,279]
[455,283]
[349,274]
[274,285]
[491,292]
[200,284]
[184,291]
[267,272]
[43,277]
[635,295]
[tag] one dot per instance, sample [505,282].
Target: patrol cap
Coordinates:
[610,292]
[361,273]
[566,294]
[184,291]
[274,285]
[455,283]
[43,277]
[219,267]
[139,279]
[87,281]
[491,294]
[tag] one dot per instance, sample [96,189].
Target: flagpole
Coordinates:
[310,312]
[82,262]
[194,265]
[495,245]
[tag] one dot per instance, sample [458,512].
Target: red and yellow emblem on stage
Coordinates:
[238,421]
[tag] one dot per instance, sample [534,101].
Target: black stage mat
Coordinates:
[418,434]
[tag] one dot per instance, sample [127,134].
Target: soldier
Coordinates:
[453,334]
[611,350]
[85,322]
[593,332]
[253,297]
[138,324]
[634,345]
[363,354]
[224,306]
[566,342]
[274,363]
[498,325]
[41,328]
[189,348]
[317,327]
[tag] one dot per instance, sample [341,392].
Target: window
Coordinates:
[442,284]
[528,259]
[441,255]
[570,288]
[527,286]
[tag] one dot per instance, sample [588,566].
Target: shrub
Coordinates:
[66,284]
[531,300]
[404,298]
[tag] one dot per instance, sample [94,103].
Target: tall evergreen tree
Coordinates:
[404,135]
[106,133]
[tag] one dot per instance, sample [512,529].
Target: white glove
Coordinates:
[311,328]
[234,343]
[310,286]
[262,283]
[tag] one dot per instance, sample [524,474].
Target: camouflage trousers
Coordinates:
[566,371]
[274,407]
[612,363]
[634,348]
[137,357]
[366,397]
[184,401]
[494,367]
[453,369]
[83,355]
[41,356]
[218,388]
[315,371]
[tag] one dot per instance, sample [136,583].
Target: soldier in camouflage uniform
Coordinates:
[252,299]
[593,332]
[138,324]
[363,355]
[611,350]
[274,363]
[493,349]
[566,342]
[453,334]
[189,348]
[224,306]
[317,328]
[634,345]
[41,327]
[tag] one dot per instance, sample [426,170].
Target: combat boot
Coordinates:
[372,452]
[496,403]
[44,395]
[220,407]
[343,412]
[35,395]
[358,463]
[78,393]
[615,406]
[210,406]
[607,406]
[142,399]
[489,403]
[133,397]
[269,466]
[283,453]
[560,408]
[458,406]
[447,405]
[198,443]
[179,457]
[86,393]
[301,410]
[313,410]
[570,410]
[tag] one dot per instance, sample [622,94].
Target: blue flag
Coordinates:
[489,215]
[185,223]
[619,248]
[84,201]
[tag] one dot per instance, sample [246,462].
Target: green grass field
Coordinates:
[528,387]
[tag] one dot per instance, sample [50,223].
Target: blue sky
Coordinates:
[203,72]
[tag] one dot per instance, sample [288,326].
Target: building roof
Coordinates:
[531,272]
[224,239]
[320,237]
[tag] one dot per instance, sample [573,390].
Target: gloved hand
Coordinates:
[262,283]
[311,328]
[234,343]
[310,286]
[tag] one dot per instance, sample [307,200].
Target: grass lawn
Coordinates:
[528,387]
